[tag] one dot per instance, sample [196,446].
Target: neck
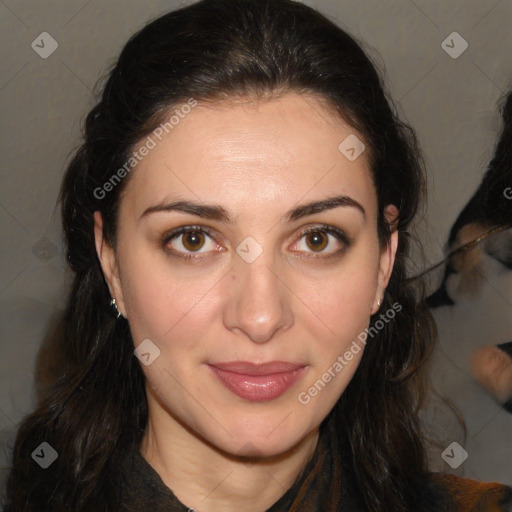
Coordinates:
[208,479]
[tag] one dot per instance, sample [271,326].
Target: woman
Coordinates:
[241,201]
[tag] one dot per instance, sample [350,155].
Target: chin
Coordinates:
[270,440]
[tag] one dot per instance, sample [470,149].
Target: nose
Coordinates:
[259,302]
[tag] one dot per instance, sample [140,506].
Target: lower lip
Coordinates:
[259,388]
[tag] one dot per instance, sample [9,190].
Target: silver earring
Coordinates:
[115,309]
[379,302]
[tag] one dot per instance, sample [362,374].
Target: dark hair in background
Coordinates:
[488,211]
[211,51]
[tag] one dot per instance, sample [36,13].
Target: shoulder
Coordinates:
[465,494]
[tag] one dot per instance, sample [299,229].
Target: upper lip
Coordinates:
[247,368]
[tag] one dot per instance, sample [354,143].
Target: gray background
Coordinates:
[450,102]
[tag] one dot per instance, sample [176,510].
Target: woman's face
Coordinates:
[243,283]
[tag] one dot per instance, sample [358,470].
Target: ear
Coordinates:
[108,262]
[387,257]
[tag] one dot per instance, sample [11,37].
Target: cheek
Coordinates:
[341,302]
[165,302]
[341,310]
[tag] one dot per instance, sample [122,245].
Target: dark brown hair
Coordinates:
[210,51]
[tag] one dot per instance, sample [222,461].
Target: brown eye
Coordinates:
[325,240]
[190,242]
[193,240]
[317,240]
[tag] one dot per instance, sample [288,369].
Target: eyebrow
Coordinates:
[219,213]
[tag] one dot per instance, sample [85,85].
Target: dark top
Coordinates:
[143,490]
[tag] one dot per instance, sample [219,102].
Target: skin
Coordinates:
[256,160]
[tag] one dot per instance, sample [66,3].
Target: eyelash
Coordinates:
[322,228]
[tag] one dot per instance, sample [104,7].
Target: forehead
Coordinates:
[267,154]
